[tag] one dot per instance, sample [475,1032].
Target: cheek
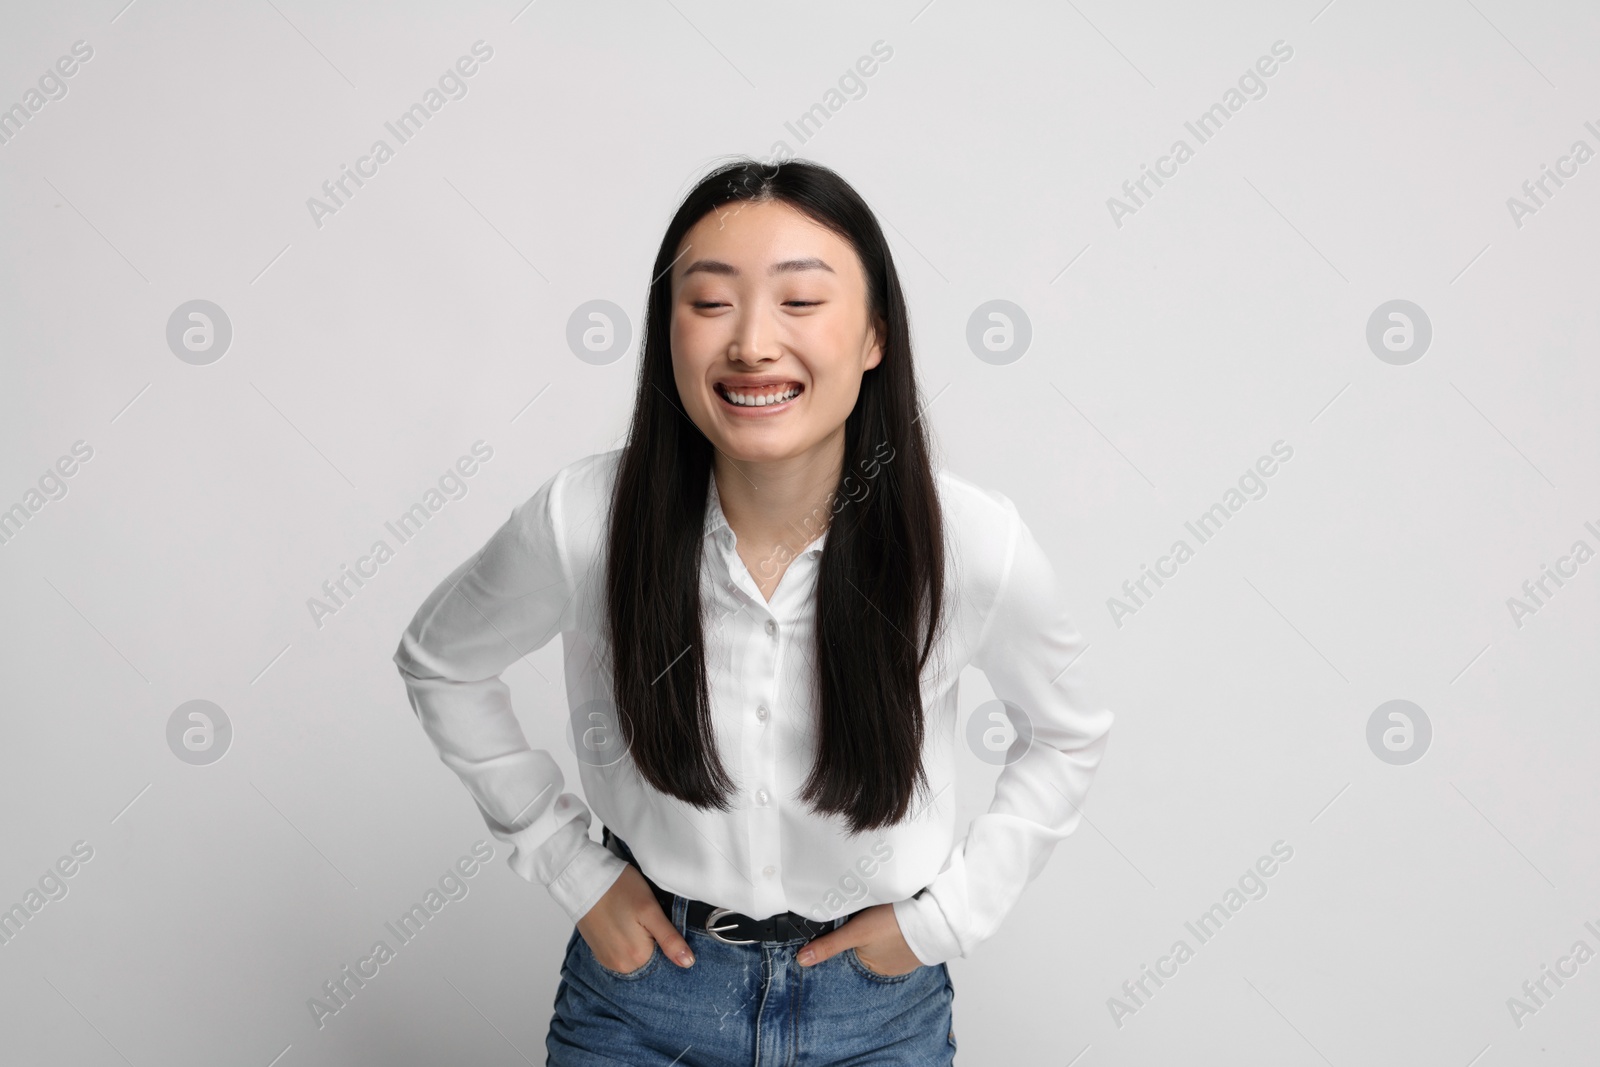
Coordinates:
[686,331]
[695,347]
[679,340]
[688,353]
[837,389]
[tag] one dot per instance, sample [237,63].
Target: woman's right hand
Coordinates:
[626,923]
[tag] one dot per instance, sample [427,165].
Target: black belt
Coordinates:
[726,926]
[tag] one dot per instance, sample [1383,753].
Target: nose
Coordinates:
[755,337]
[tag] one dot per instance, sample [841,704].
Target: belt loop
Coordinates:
[680,914]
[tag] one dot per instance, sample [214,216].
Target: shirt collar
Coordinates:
[716,521]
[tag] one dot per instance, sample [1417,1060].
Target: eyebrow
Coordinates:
[716,266]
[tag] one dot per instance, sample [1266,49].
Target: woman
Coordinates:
[765,598]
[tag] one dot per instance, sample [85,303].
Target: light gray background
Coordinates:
[1168,354]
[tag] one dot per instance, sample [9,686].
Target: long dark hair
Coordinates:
[880,587]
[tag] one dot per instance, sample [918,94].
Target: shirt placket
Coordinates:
[762,637]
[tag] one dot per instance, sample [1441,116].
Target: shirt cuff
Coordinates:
[576,869]
[927,932]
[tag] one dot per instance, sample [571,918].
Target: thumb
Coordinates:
[673,946]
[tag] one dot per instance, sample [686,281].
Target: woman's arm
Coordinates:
[508,600]
[1024,650]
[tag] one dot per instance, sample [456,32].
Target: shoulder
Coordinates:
[1004,575]
[982,528]
[972,504]
[586,482]
[571,506]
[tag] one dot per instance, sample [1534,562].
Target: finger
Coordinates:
[856,931]
[821,948]
[673,946]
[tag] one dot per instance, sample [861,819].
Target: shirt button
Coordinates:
[761,712]
[772,627]
[769,871]
[761,796]
[732,588]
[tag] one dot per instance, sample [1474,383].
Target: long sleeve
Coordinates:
[508,600]
[1024,650]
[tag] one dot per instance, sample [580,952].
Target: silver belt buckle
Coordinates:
[716,931]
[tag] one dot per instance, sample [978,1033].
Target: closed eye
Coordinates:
[702,304]
[711,304]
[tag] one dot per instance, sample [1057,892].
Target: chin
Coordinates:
[757,452]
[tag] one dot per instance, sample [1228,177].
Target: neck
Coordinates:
[782,502]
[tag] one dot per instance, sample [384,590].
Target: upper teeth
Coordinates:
[761,399]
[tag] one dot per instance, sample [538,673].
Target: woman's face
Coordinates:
[770,331]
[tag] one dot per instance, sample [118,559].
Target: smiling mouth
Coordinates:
[764,397]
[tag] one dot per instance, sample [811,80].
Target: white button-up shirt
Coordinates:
[541,575]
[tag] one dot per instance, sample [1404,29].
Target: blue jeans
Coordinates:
[747,1006]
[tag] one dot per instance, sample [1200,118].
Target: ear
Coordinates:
[875,353]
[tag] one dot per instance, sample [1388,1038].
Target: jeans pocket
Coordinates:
[861,968]
[626,976]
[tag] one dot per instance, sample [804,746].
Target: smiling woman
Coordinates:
[752,701]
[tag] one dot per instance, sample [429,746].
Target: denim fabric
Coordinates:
[747,1006]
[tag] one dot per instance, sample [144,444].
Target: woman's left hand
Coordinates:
[875,935]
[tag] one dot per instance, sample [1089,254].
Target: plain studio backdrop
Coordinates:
[1369,270]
